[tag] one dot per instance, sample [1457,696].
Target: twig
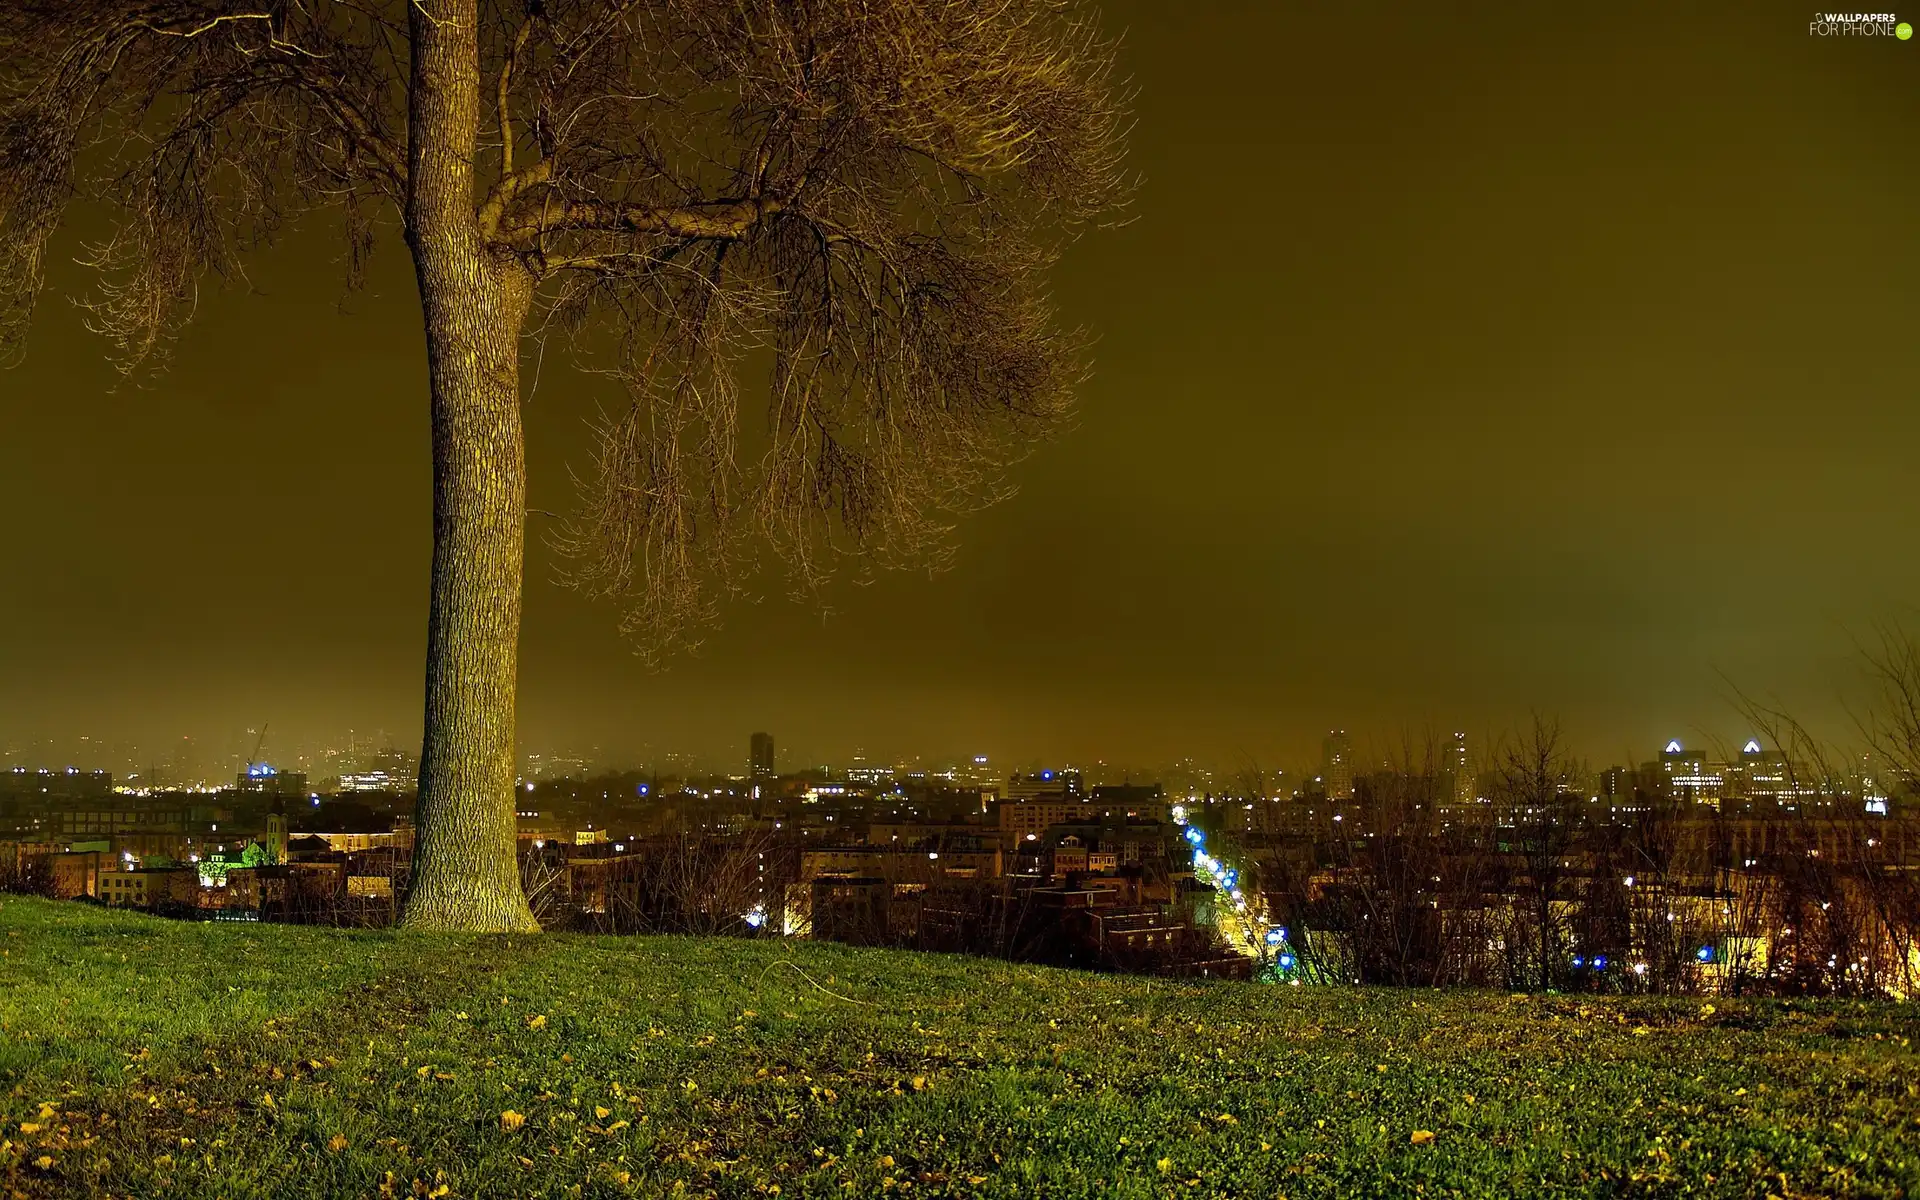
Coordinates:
[787,962]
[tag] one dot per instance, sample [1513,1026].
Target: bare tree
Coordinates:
[1531,783]
[861,195]
[1892,725]
[25,874]
[1841,900]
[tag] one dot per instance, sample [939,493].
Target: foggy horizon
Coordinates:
[1558,368]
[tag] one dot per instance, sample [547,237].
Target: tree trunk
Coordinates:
[465,867]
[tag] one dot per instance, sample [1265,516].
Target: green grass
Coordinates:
[147,1058]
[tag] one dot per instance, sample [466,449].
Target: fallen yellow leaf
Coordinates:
[511,1120]
[600,1113]
[44,1162]
[337,1142]
[1421,1137]
[539,1022]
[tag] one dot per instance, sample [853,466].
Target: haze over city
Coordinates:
[1439,379]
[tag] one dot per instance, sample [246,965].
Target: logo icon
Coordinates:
[1903,31]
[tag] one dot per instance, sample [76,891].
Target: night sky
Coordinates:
[1453,366]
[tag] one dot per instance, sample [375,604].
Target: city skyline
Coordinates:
[1341,759]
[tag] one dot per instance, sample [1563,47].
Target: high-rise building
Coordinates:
[1460,767]
[1622,789]
[1765,778]
[1336,765]
[1689,776]
[760,755]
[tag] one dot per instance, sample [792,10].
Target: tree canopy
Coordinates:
[846,207]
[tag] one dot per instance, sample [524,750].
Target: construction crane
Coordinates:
[248,766]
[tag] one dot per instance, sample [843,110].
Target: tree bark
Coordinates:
[465,864]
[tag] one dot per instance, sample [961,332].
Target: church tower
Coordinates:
[277,832]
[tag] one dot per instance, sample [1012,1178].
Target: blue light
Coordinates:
[1599,962]
[1046,774]
[1274,936]
[1704,954]
[642,789]
[1285,961]
[1579,962]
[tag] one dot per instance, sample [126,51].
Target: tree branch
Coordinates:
[720,220]
[506,81]
[511,186]
[387,156]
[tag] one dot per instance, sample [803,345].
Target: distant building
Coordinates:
[1765,778]
[1149,799]
[760,762]
[70,784]
[1688,776]
[1460,767]
[1622,790]
[1336,765]
[267,780]
[376,780]
[1027,819]
[851,909]
[1062,784]
[77,873]
[149,887]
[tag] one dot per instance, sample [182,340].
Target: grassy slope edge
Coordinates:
[141,1057]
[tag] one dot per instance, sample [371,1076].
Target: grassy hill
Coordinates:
[140,1057]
